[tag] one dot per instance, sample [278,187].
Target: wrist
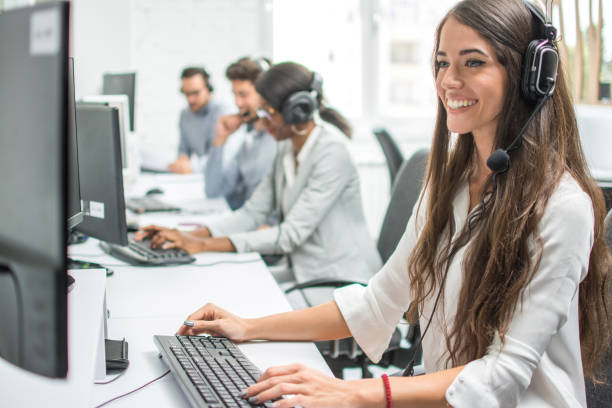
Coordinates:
[203,245]
[368,393]
[219,140]
[203,232]
[250,329]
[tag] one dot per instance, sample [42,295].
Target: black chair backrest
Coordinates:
[404,195]
[393,155]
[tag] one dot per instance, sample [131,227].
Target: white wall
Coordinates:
[157,39]
[100,41]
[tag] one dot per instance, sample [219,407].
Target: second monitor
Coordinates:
[121,103]
[100,173]
[121,84]
[102,189]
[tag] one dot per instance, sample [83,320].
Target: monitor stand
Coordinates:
[69,283]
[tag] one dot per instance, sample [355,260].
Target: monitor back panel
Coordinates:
[74,193]
[33,152]
[100,173]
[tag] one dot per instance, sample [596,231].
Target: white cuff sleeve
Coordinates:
[468,390]
[368,328]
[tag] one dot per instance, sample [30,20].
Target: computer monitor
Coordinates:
[121,84]
[100,173]
[75,215]
[33,207]
[121,103]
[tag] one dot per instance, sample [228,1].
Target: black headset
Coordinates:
[202,71]
[538,79]
[263,63]
[208,84]
[300,106]
[540,61]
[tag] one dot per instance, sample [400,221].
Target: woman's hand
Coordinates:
[309,388]
[166,238]
[213,320]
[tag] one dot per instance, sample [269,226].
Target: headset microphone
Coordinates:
[499,161]
[538,78]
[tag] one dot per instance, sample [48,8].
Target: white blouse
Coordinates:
[540,363]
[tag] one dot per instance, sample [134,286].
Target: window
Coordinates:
[374,56]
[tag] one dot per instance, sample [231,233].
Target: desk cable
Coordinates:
[134,390]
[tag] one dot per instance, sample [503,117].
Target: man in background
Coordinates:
[242,152]
[197,121]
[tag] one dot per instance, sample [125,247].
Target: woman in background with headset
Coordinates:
[313,187]
[504,259]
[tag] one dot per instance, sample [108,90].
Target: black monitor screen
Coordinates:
[33,152]
[100,173]
[121,84]
[75,216]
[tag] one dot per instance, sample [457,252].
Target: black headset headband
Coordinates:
[548,30]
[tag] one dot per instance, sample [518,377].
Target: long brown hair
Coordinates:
[499,261]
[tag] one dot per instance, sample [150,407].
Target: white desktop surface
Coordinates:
[20,388]
[147,301]
[153,300]
[182,190]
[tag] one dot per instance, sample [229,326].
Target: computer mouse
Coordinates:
[155,190]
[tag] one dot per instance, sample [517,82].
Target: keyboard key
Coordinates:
[216,369]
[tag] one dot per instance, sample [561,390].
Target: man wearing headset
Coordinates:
[242,150]
[197,121]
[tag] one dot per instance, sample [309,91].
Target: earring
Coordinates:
[295,130]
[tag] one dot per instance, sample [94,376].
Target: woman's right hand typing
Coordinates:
[213,320]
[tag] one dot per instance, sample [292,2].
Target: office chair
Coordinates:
[599,396]
[340,354]
[393,155]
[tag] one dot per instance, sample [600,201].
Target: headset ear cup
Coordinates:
[299,108]
[529,71]
[539,70]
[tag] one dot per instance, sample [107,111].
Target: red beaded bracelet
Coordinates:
[385,379]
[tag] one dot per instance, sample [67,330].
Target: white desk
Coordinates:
[20,388]
[182,190]
[144,301]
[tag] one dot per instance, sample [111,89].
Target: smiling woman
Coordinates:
[508,269]
[471,82]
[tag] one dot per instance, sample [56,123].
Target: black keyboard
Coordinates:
[141,253]
[211,371]
[149,204]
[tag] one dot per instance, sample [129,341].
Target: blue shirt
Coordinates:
[198,128]
[234,169]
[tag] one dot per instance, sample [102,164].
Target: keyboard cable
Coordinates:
[134,390]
